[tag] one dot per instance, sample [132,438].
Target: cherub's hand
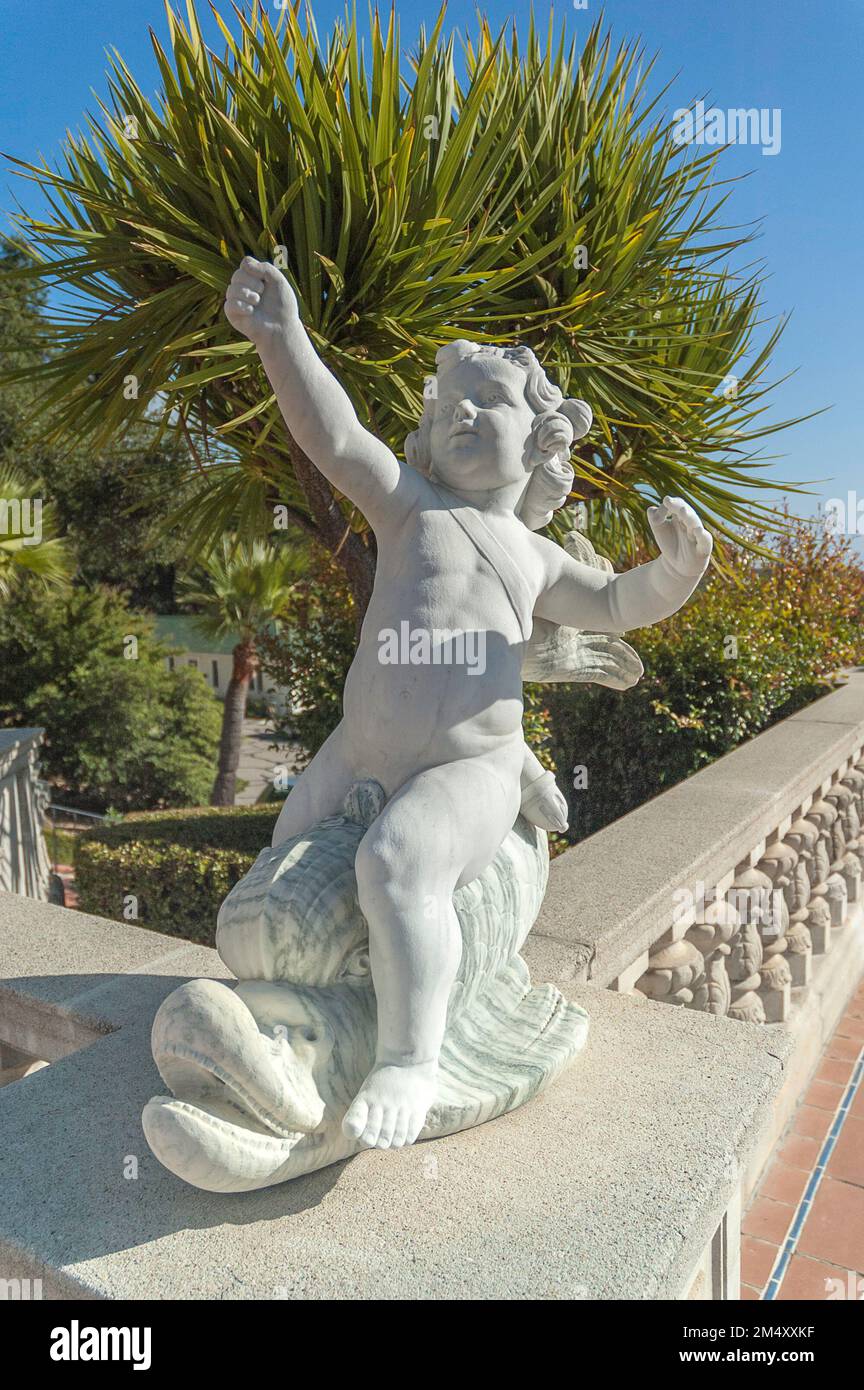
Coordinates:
[683,540]
[544,805]
[259,302]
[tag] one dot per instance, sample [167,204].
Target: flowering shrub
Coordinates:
[745,652]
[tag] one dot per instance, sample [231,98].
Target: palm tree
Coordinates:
[28,541]
[242,588]
[528,193]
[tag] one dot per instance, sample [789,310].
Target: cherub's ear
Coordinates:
[417,451]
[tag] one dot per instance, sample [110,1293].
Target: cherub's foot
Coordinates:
[391,1106]
[544,805]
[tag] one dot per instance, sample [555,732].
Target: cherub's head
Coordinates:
[494,418]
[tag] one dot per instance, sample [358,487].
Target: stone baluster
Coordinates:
[745,959]
[749,948]
[853,778]
[804,838]
[800,932]
[780,864]
[758,905]
[846,832]
[676,975]
[845,797]
[832,884]
[712,938]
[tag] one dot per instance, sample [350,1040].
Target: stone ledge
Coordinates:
[611,896]
[612,1184]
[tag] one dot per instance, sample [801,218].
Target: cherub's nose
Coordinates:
[465,410]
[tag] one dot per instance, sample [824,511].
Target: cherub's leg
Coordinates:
[440,830]
[319,791]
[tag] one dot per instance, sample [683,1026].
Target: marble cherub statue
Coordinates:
[456,552]
[415,840]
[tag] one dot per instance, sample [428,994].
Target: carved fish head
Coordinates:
[260,1078]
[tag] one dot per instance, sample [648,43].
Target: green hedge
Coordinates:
[176,865]
[246,828]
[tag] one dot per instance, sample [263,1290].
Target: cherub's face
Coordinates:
[481,426]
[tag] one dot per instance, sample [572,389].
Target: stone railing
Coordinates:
[23,858]
[734,895]
[620,1181]
[724,893]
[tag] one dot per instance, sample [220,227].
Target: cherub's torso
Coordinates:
[431,577]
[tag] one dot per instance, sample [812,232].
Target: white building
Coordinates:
[213,658]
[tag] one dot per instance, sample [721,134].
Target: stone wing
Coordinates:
[556,653]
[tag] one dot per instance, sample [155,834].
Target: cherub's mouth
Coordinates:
[462,429]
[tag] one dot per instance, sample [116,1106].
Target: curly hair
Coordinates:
[557,423]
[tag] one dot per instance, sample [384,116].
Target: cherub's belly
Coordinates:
[438,673]
[424,693]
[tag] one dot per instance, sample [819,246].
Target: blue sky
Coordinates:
[801,56]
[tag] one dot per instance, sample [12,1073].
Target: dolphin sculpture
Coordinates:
[259,1076]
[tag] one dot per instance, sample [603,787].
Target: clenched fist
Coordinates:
[259,302]
[684,542]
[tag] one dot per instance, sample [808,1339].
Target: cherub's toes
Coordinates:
[416,1121]
[387,1130]
[400,1129]
[372,1128]
[355,1119]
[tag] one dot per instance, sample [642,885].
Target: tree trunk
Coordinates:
[356,558]
[234,712]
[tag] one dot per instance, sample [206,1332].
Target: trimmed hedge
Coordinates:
[246,828]
[170,870]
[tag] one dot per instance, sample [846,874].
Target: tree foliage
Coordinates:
[310,652]
[109,506]
[509,191]
[121,729]
[29,544]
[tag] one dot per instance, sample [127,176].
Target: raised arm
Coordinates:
[260,303]
[584,597]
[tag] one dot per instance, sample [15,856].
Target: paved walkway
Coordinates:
[259,760]
[803,1234]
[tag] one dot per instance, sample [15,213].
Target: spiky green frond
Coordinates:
[243,586]
[29,544]
[410,204]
